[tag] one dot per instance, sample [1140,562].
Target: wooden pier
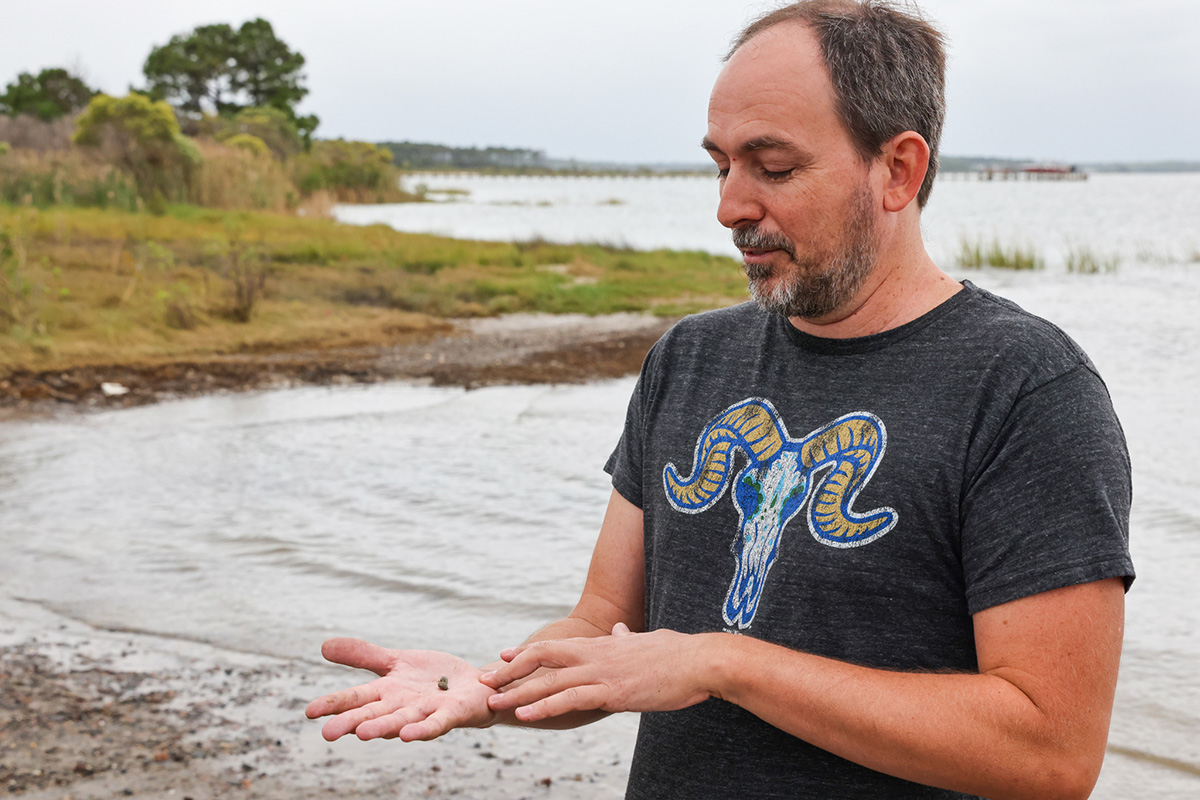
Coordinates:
[1044,173]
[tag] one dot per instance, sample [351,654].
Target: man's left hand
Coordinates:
[656,671]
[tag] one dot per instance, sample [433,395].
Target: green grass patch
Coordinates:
[1085,261]
[91,285]
[976,253]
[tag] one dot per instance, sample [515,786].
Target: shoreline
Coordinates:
[512,349]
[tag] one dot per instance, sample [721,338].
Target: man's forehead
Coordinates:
[773,86]
[788,49]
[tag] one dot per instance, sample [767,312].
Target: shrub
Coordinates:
[355,172]
[273,127]
[250,143]
[142,136]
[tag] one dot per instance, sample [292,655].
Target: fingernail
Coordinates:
[487,676]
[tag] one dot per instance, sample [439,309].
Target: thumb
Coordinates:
[621,629]
[357,653]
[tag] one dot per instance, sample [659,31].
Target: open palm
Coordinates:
[406,701]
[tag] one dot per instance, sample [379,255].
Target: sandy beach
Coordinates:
[87,712]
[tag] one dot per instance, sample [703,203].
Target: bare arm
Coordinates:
[1031,724]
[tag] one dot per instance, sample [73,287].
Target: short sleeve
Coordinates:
[1049,505]
[625,462]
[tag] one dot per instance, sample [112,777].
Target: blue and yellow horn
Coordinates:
[751,426]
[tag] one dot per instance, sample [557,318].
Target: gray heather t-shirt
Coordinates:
[858,499]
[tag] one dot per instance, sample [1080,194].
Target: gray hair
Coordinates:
[887,66]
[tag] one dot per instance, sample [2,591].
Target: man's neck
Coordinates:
[905,285]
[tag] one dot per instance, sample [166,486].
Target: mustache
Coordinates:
[751,237]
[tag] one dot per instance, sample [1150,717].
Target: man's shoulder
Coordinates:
[718,325]
[997,328]
[720,319]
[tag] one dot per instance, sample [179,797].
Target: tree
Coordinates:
[217,68]
[193,71]
[50,94]
[265,69]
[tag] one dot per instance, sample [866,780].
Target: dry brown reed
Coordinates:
[236,178]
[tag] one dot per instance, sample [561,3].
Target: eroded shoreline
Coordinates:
[521,348]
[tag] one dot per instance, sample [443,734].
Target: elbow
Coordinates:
[1072,784]
[1059,776]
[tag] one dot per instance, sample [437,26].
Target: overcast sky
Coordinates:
[628,80]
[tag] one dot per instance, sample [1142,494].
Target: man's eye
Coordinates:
[723,173]
[780,175]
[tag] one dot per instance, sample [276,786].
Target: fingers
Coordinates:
[621,629]
[541,686]
[359,654]
[344,700]
[350,721]
[574,698]
[431,727]
[389,726]
[521,665]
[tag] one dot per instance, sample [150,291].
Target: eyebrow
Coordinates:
[756,144]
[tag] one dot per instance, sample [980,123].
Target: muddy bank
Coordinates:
[473,353]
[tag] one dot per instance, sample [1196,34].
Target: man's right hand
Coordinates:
[406,701]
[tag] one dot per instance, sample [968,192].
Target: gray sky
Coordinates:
[626,80]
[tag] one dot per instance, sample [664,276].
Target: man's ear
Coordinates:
[905,159]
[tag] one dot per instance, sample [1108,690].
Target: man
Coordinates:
[925,488]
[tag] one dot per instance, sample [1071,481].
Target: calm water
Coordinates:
[463,520]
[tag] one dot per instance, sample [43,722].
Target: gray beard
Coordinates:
[818,283]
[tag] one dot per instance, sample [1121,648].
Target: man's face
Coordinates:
[793,189]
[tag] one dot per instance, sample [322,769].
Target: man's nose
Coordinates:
[740,204]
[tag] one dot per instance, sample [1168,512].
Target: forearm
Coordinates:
[976,733]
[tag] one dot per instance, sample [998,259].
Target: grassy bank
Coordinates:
[92,286]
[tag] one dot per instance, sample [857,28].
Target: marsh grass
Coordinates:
[231,177]
[1083,260]
[92,285]
[976,253]
[64,178]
